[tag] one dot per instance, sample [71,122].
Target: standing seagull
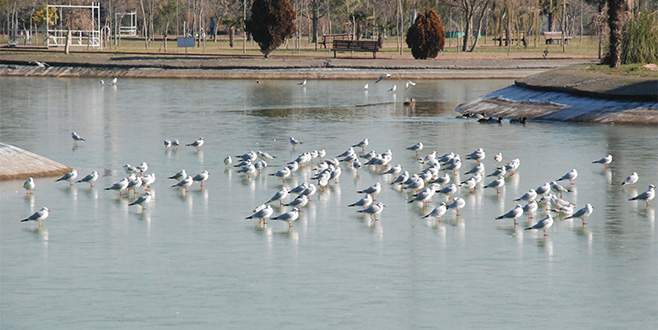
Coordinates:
[303,83]
[70,177]
[373,210]
[365,87]
[416,147]
[38,216]
[294,141]
[438,211]
[571,176]
[393,89]
[279,196]
[29,185]
[605,161]
[290,217]
[631,179]
[646,196]
[76,137]
[457,205]
[179,175]
[184,184]
[544,224]
[142,200]
[201,178]
[198,143]
[362,144]
[514,213]
[372,190]
[119,186]
[583,213]
[115,80]
[363,202]
[90,178]
[262,215]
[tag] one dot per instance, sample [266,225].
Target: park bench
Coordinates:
[356,46]
[551,37]
[501,39]
[329,38]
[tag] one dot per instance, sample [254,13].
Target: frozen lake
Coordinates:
[192,261]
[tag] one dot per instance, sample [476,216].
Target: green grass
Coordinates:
[626,69]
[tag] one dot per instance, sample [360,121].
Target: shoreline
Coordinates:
[261,73]
[198,66]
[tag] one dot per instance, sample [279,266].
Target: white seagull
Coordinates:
[294,141]
[582,214]
[604,161]
[70,177]
[119,185]
[29,185]
[631,179]
[363,202]
[38,216]
[457,205]
[184,184]
[372,190]
[142,200]
[262,214]
[646,196]
[438,211]
[179,175]
[201,178]
[290,217]
[279,196]
[373,210]
[514,213]
[90,178]
[571,176]
[76,137]
[544,224]
[198,143]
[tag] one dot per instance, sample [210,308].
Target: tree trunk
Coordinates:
[481,16]
[67,46]
[144,24]
[231,34]
[615,16]
[468,31]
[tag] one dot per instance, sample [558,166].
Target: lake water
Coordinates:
[192,261]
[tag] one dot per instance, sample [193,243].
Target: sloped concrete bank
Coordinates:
[16,163]
[261,73]
[573,95]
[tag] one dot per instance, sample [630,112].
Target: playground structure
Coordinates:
[125,30]
[89,37]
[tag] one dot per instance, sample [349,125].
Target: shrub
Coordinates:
[640,39]
[271,22]
[426,37]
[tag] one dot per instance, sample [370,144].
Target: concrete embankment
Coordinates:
[16,163]
[21,63]
[573,95]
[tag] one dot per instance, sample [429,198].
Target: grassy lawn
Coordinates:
[487,48]
[625,70]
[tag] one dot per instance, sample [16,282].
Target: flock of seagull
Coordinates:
[439,176]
